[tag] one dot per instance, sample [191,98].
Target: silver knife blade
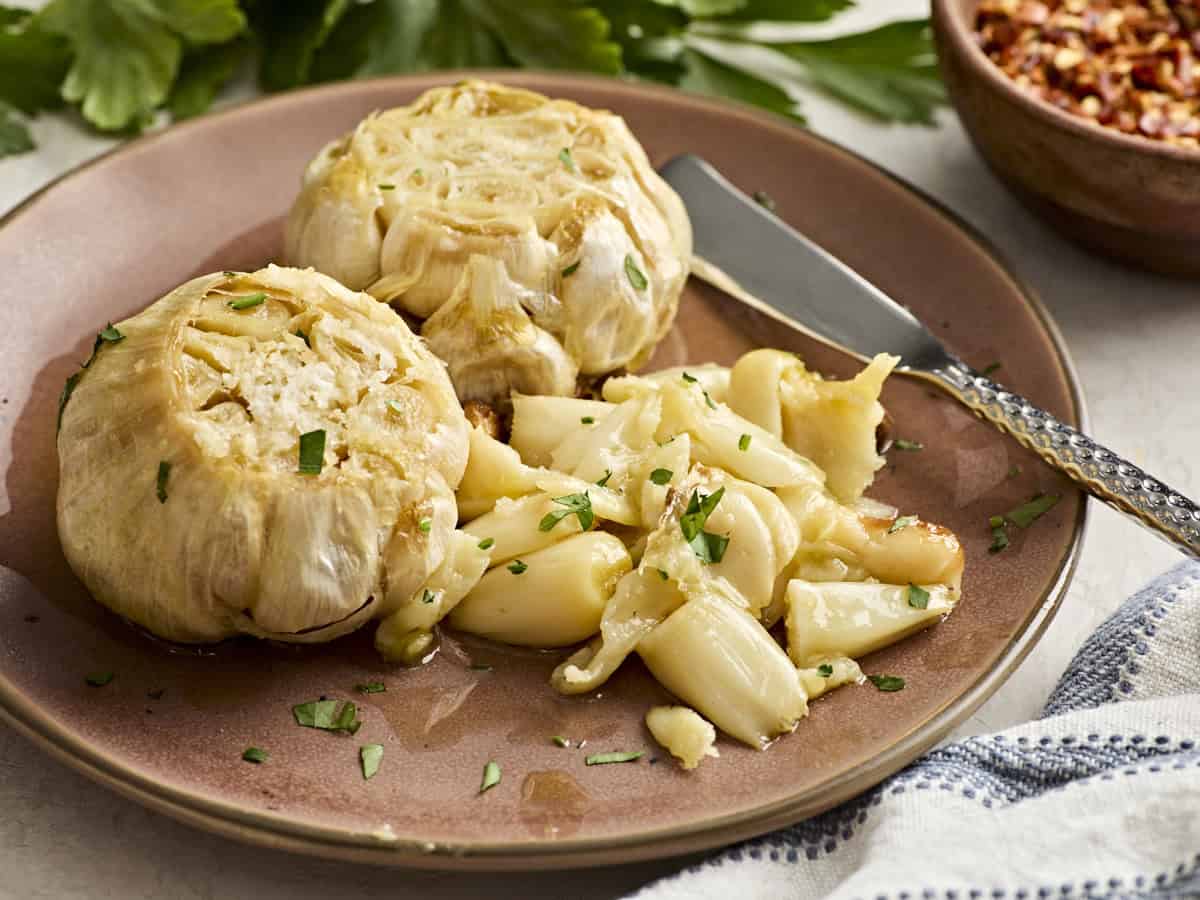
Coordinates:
[769,260]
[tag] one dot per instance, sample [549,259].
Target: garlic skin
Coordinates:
[243,542]
[587,249]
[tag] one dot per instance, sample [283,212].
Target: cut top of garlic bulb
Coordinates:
[267,453]
[593,245]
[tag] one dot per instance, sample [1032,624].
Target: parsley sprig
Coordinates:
[706,545]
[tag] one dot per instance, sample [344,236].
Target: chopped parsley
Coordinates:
[424,526]
[901,523]
[1028,513]
[371,687]
[990,368]
[72,382]
[744,442]
[575,505]
[99,679]
[709,547]
[491,776]
[763,199]
[328,715]
[690,379]
[254,755]
[517,567]
[903,444]
[661,476]
[604,481]
[560,741]
[663,574]
[999,534]
[887,683]
[825,670]
[371,755]
[587,420]
[428,596]
[107,335]
[386,187]
[1014,471]
[249,301]
[487,543]
[564,156]
[571,269]
[617,756]
[228,274]
[918,597]
[312,452]
[636,278]
[299,332]
[160,486]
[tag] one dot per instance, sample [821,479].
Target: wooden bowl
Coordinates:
[1128,197]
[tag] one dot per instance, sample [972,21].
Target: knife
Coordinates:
[759,260]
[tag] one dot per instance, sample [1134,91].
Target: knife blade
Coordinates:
[816,292]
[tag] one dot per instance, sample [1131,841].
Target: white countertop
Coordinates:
[1133,338]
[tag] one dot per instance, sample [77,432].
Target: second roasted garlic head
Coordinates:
[532,235]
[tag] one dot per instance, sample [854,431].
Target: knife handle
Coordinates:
[1102,473]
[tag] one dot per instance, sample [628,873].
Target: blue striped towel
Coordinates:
[1099,798]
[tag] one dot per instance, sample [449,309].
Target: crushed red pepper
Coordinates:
[1130,66]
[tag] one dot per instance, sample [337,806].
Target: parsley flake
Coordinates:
[825,670]
[560,741]
[901,523]
[249,301]
[487,543]
[424,526]
[491,776]
[604,481]
[564,156]
[999,534]
[428,596]
[107,335]
[918,597]
[371,687]
[744,442]
[904,444]
[517,567]
[160,486]
[709,547]
[587,420]
[386,187]
[990,368]
[661,476]
[763,199]
[312,452]
[327,715]
[72,382]
[690,379]
[1028,513]
[254,755]
[99,679]
[887,683]
[634,274]
[618,756]
[371,755]
[571,269]
[579,505]
[662,573]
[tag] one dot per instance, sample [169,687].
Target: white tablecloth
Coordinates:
[1133,337]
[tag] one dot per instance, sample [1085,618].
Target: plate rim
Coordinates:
[263,828]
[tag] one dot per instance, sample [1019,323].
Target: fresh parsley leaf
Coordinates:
[327,715]
[386,187]
[650,36]
[564,156]
[249,301]
[109,334]
[710,548]
[887,683]
[99,679]
[902,522]
[487,543]
[701,8]
[587,420]
[127,52]
[560,741]
[709,70]
[254,755]
[905,444]
[204,72]
[14,134]
[517,567]
[428,596]
[370,755]
[889,72]
[160,482]
[744,442]
[918,597]
[603,482]
[549,34]
[571,269]
[579,505]
[999,534]
[763,199]
[635,275]
[617,756]
[425,526]
[312,452]
[69,386]
[787,10]
[990,368]
[371,687]
[690,379]
[33,63]
[290,34]
[1027,513]
[825,670]
[661,476]
[491,776]
[663,574]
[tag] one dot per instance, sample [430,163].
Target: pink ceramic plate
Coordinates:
[169,730]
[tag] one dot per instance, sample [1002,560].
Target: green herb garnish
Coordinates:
[491,776]
[248,301]
[661,476]
[576,505]
[299,332]
[72,382]
[371,687]
[107,335]
[254,755]
[918,597]
[386,187]
[560,741]
[517,567]
[825,670]
[312,452]
[587,420]
[709,547]
[1028,513]
[990,368]
[487,543]
[564,156]
[887,683]
[604,759]
[424,526]
[636,278]
[571,269]
[160,485]
[999,534]
[902,444]
[763,199]
[744,442]
[690,379]
[663,574]
[371,755]
[428,596]
[604,481]
[1014,471]
[99,679]
[902,522]
[327,715]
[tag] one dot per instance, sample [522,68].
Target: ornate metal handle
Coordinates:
[1097,469]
